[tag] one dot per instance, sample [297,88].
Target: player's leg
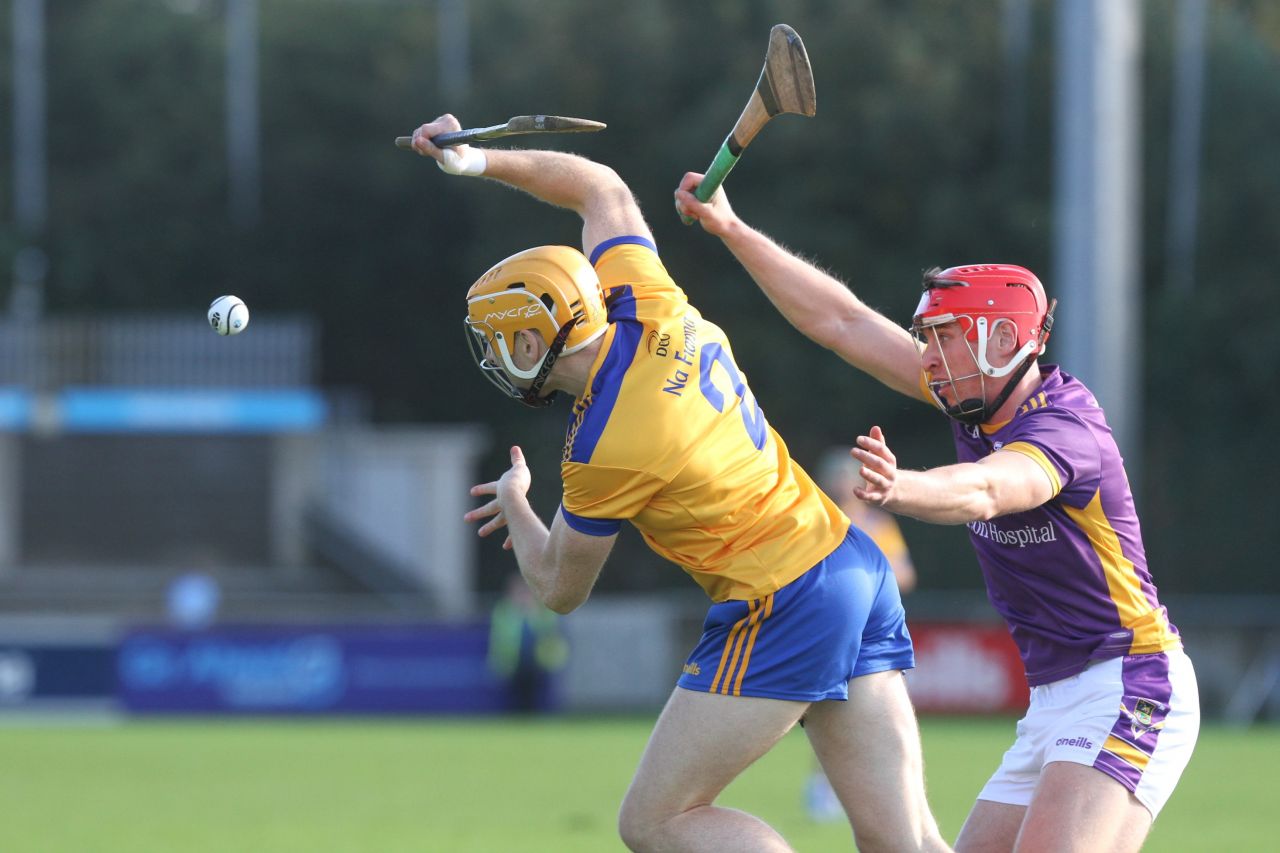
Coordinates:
[869,744]
[1097,756]
[869,747]
[991,827]
[1111,770]
[1077,809]
[702,741]
[996,818]
[758,666]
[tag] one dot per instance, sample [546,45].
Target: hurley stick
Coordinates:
[785,86]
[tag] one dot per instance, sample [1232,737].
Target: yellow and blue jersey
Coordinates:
[669,437]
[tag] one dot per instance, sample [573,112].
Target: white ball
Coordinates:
[228,315]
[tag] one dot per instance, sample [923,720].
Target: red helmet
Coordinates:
[986,295]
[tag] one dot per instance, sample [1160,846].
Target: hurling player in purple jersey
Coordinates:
[1040,484]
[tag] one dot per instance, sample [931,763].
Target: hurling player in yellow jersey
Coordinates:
[805,623]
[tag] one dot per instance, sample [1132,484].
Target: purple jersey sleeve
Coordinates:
[1068,444]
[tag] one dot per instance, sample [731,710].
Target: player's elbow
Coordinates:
[605,195]
[994,500]
[564,603]
[838,330]
[818,325]
[819,328]
[601,182]
[982,510]
[563,597]
[979,498]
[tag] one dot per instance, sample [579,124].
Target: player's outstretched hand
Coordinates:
[512,486]
[515,483]
[715,215]
[879,468]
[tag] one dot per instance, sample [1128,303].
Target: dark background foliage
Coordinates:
[925,151]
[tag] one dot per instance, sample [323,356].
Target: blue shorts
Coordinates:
[841,619]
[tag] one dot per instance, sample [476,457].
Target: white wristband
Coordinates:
[471,161]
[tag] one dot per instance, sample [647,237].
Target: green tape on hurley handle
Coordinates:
[724,161]
[718,171]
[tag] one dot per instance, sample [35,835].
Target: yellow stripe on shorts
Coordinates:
[728,645]
[1126,751]
[754,606]
[763,614]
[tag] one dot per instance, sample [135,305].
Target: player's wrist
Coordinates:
[469,162]
[732,230]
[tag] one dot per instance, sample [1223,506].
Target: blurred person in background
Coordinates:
[1041,485]
[839,477]
[192,600]
[806,622]
[527,648]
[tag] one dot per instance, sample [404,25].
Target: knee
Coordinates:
[649,826]
[634,826]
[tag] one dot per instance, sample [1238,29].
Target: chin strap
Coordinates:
[530,397]
[973,411]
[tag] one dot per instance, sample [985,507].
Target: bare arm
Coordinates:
[560,565]
[592,190]
[821,307]
[999,484]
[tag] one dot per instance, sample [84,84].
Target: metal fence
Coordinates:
[157,351]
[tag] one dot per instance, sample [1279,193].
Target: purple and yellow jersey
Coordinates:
[669,437]
[1070,576]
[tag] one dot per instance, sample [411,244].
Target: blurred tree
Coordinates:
[1213,355]
[905,166]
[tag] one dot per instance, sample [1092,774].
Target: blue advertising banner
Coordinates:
[15,408]
[309,670]
[35,672]
[189,410]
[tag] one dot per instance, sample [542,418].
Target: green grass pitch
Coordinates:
[488,785]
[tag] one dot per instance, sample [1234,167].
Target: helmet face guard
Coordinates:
[981,298]
[550,291]
[966,409]
[478,337]
[500,374]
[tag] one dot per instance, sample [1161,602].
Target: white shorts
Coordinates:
[1134,718]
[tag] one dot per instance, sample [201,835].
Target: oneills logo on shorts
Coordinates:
[692,669]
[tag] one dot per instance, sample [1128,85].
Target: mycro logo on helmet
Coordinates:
[519,312]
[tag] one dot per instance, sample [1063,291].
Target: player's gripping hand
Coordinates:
[507,490]
[715,216]
[457,159]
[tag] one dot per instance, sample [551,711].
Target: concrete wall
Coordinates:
[627,650]
[406,490]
